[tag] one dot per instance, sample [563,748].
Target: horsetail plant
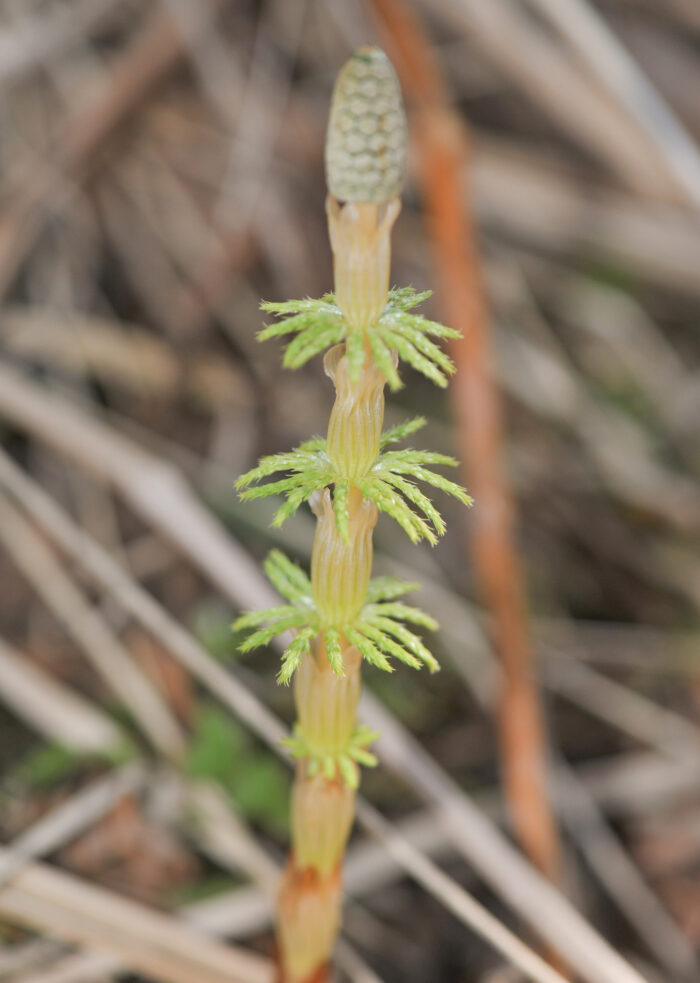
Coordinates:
[338,615]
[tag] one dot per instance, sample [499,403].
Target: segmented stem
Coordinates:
[339,616]
[323,799]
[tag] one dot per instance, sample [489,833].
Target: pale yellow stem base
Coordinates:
[308,921]
[360,234]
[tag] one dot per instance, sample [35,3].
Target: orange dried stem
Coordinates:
[444,159]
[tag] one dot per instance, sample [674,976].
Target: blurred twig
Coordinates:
[473,834]
[577,105]
[155,51]
[587,32]
[477,412]
[31,42]
[621,877]
[157,945]
[69,819]
[83,623]
[522,195]
[53,709]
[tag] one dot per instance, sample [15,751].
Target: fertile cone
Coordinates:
[367,134]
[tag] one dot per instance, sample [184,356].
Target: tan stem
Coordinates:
[340,571]
[326,702]
[309,908]
[357,417]
[308,921]
[360,238]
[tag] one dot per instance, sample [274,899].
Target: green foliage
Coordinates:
[310,469]
[344,763]
[377,632]
[380,631]
[221,751]
[217,741]
[318,324]
[53,763]
[396,472]
[211,623]
[390,483]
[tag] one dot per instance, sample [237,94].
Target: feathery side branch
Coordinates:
[390,483]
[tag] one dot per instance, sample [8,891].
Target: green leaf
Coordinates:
[387,644]
[445,485]
[312,470]
[408,640]
[388,501]
[341,511]
[364,757]
[367,649]
[49,765]
[404,298]
[406,612]
[402,430]
[296,497]
[406,459]
[385,361]
[217,741]
[425,326]
[285,461]
[260,787]
[276,330]
[265,635]
[289,579]
[317,324]
[427,347]
[313,445]
[288,306]
[349,771]
[417,498]
[326,332]
[365,735]
[387,588]
[320,323]
[334,650]
[221,751]
[409,353]
[355,353]
[297,745]
[254,618]
[294,653]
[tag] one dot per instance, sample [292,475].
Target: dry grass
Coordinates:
[161,171]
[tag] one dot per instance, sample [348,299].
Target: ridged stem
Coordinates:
[360,238]
[340,570]
[326,702]
[357,417]
[309,907]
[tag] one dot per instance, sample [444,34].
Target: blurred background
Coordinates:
[161,171]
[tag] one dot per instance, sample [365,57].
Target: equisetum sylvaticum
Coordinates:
[339,616]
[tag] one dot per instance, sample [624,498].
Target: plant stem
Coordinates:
[322,802]
[339,616]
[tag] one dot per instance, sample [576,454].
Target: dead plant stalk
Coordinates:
[443,158]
